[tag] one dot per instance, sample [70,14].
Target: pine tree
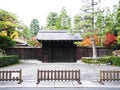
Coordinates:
[89,20]
[51,20]
[117,23]
[63,21]
[77,22]
[34,27]
[116,27]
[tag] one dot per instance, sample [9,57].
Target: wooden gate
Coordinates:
[59,51]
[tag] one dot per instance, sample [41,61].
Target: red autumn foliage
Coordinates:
[110,39]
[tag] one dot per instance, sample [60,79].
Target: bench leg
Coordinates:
[79,82]
[20,81]
[38,82]
[101,82]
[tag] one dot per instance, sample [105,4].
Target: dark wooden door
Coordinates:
[63,52]
[58,51]
[58,54]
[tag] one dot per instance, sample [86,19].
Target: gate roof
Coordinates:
[58,35]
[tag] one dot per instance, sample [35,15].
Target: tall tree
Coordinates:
[90,12]
[108,20]
[77,22]
[51,20]
[116,27]
[63,21]
[34,27]
[117,20]
[9,25]
[99,24]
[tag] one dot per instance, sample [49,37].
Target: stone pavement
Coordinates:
[89,74]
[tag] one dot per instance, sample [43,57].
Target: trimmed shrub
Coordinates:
[87,59]
[105,60]
[113,60]
[8,60]
[90,60]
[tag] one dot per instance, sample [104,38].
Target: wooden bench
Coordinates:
[15,75]
[58,75]
[110,75]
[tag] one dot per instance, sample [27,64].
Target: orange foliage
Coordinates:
[35,42]
[87,41]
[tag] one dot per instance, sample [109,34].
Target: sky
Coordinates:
[26,10]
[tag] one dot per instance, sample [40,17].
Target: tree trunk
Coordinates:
[94,48]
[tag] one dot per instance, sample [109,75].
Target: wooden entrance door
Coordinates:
[63,52]
[58,51]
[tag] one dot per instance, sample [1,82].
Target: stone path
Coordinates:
[89,74]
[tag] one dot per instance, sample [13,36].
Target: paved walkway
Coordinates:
[92,88]
[89,74]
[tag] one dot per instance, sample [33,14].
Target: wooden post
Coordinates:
[55,74]
[118,75]
[10,76]
[69,75]
[62,75]
[38,81]
[101,76]
[20,77]
[51,75]
[111,75]
[79,77]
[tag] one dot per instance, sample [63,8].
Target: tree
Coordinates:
[108,21]
[26,32]
[34,27]
[99,21]
[116,25]
[110,39]
[117,22]
[33,42]
[87,41]
[8,22]
[51,20]
[90,19]
[6,42]
[63,21]
[10,29]
[77,22]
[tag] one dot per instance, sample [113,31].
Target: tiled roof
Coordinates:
[57,35]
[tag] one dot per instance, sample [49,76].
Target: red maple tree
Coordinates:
[110,39]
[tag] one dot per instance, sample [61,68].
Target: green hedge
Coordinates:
[8,60]
[114,60]
[102,60]
[87,59]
